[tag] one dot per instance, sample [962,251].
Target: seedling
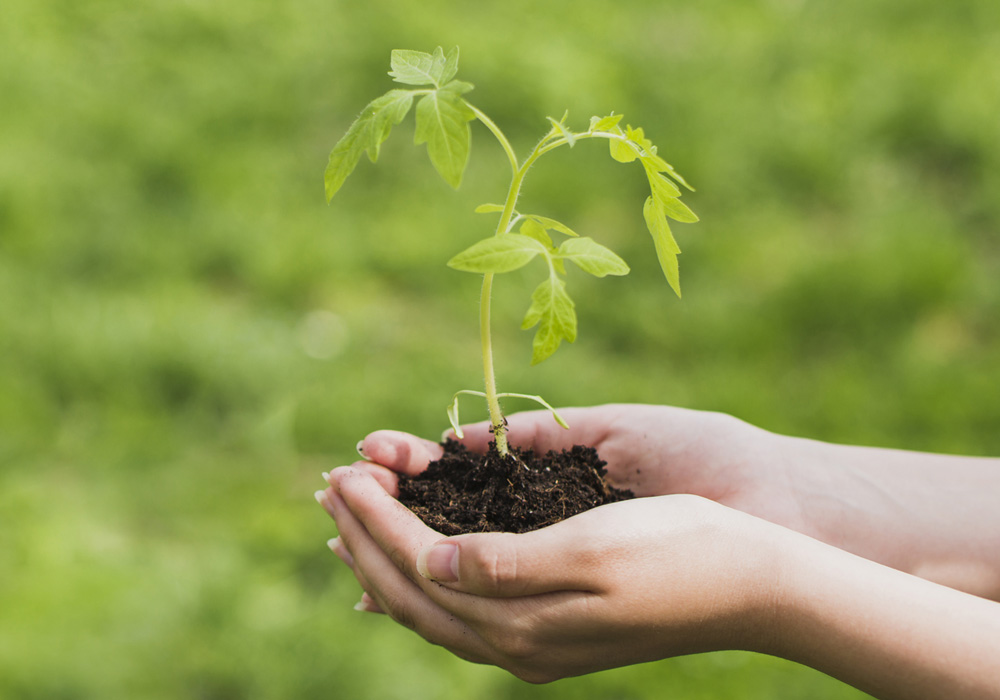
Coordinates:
[442,122]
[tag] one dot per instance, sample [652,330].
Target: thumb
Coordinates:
[507,565]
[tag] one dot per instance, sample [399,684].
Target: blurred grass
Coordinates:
[189,335]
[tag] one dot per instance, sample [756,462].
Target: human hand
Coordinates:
[652,450]
[620,584]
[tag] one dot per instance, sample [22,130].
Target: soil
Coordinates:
[468,492]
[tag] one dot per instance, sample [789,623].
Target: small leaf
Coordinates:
[560,128]
[592,257]
[450,65]
[389,110]
[552,224]
[605,123]
[443,124]
[453,418]
[417,67]
[497,254]
[532,229]
[622,150]
[657,164]
[555,314]
[678,210]
[489,208]
[661,187]
[667,249]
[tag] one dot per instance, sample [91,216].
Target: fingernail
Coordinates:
[439,562]
[326,477]
[338,548]
[324,501]
[359,447]
[367,604]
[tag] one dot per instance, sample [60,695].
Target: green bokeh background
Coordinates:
[189,335]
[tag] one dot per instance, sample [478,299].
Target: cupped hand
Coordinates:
[652,450]
[620,584]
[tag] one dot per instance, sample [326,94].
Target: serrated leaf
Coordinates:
[592,257]
[661,187]
[389,110]
[622,150]
[678,210]
[367,133]
[533,229]
[560,128]
[443,124]
[555,314]
[552,224]
[489,208]
[605,123]
[498,254]
[655,163]
[417,67]
[667,249]
[450,65]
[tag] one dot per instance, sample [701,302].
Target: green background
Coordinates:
[189,335]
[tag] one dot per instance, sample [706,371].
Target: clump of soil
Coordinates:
[469,492]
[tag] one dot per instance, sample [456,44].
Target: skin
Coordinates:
[827,555]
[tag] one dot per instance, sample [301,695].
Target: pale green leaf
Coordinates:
[498,254]
[661,187]
[443,124]
[417,67]
[667,249]
[555,314]
[552,224]
[592,257]
[389,110]
[345,155]
[450,65]
[657,164]
[605,123]
[560,129]
[532,229]
[622,150]
[489,208]
[678,210]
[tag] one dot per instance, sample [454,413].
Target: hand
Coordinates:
[652,450]
[625,583]
[930,515]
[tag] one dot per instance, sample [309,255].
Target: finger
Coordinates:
[336,546]
[368,604]
[538,430]
[400,452]
[395,593]
[501,565]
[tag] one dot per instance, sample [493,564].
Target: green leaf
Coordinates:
[419,68]
[657,164]
[390,109]
[443,124]
[498,254]
[622,149]
[532,229]
[605,123]
[489,208]
[555,314]
[367,133]
[667,249]
[450,65]
[678,210]
[552,224]
[661,187]
[592,257]
[560,129]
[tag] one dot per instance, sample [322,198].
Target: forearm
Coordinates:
[934,516]
[888,633]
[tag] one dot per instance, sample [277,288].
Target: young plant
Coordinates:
[442,122]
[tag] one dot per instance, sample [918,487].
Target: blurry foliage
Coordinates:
[189,335]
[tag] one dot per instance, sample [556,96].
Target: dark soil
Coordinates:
[469,492]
